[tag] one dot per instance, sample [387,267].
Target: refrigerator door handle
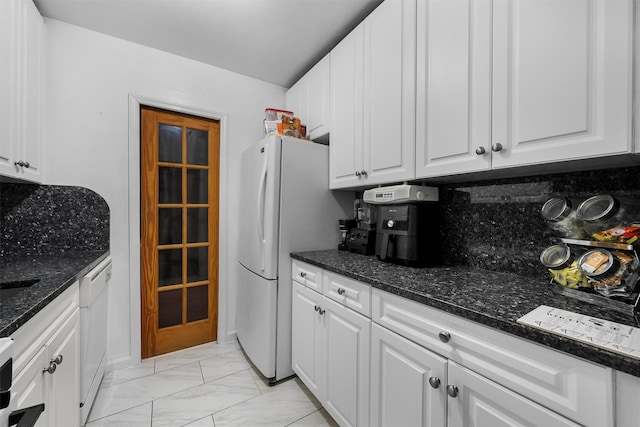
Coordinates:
[261,201]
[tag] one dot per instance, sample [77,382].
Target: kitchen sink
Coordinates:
[11,288]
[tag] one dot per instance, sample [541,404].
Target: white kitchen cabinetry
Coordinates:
[46,368]
[497,376]
[522,82]
[310,99]
[627,408]
[331,345]
[21,76]
[373,99]
[406,382]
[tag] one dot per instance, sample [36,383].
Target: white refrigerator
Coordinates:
[285,206]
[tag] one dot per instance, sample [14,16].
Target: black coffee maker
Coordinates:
[408,234]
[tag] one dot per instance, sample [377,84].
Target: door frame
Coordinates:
[135,102]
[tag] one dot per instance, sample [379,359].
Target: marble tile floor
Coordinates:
[212,385]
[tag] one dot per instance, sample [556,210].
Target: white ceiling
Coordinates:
[276,41]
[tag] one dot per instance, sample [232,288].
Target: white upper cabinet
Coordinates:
[21,75]
[310,100]
[373,99]
[522,82]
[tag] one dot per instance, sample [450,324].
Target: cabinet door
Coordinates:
[8,84]
[306,336]
[345,149]
[562,80]
[346,353]
[480,402]
[401,393]
[294,99]
[453,106]
[389,92]
[30,123]
[64,383]
[29,386]
[318,99]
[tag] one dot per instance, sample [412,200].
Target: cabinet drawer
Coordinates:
[307,274]
[579,390]
[348,292]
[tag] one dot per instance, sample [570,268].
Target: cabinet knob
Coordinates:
[444,336]
[363,173]
[316,308]
[358,173]
[52,367]
[22,164]
[303,274]
[341,291]
[452,390]
[480,151]
[496,147]
[434,382]
[321,311]
[58,360]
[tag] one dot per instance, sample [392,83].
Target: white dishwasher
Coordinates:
[93,333]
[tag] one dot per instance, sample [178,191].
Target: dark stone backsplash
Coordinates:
[47,219]
[496,225]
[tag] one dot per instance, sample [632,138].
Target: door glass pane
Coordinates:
[170,185]
[197,147]
[169,143]
[169,226]
[169,308]
[169,267]
[197,303]
[197,225]
[197,264]
[197,186]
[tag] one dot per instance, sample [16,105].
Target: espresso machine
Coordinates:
[407,227]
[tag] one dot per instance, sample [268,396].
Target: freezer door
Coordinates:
[259,207]
[256,320]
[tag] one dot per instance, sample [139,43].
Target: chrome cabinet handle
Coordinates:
[341,291]
[53,365]
[444,336]
[316,308]
[358,173]
[22,164]
[364,173]
[321,311]
[496,147]
[303,274]
[480,151]
[434,382]
[452,390]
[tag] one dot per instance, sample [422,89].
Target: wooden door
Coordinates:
[179,230]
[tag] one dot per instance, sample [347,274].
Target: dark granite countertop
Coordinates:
[490,298]
[55,273]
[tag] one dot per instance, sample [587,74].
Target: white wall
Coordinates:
[90,82]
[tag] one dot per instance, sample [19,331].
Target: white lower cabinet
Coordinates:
[375,358]
[331,355]
[46,368]
[406,382]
